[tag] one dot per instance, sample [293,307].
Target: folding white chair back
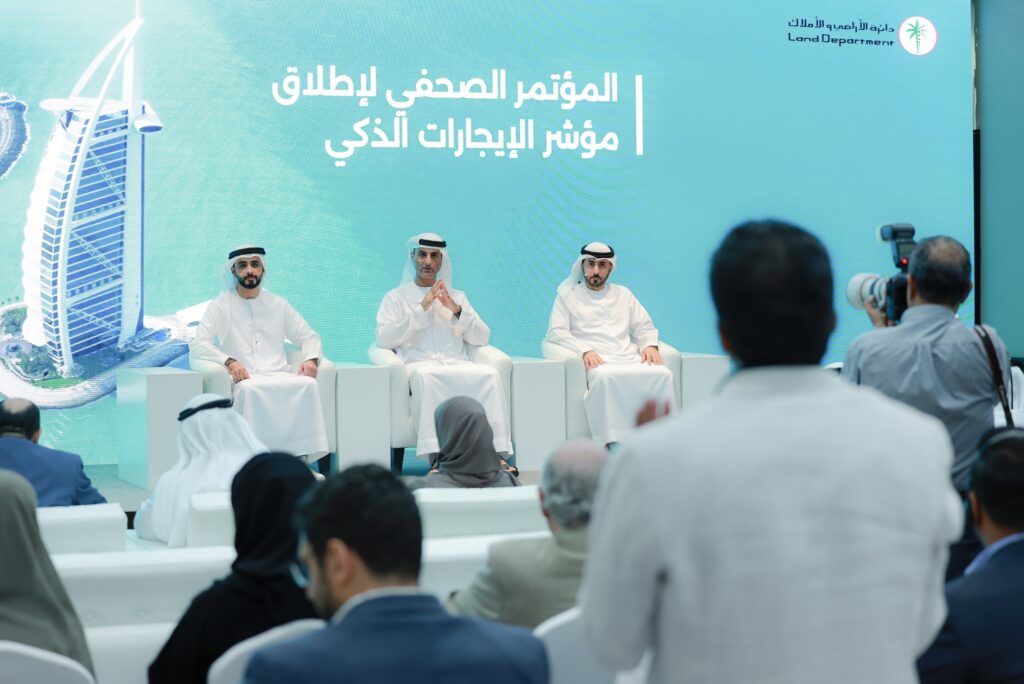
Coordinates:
[22,664]
[230,667]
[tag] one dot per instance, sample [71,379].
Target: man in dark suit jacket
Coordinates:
[983,638]
[57,476]
[361,543]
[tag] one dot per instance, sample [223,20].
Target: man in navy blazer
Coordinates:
[360,547]
[983,638]
[57,476]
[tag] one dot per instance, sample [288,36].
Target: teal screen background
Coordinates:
[739,122]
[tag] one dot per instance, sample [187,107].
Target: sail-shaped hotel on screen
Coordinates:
[82,257]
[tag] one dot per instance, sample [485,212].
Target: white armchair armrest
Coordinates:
[501,362]
[403,432]
[576,424]
[216,379]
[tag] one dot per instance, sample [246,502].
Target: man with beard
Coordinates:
[245,329]
[612,331]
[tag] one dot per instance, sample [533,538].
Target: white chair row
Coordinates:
[445,513]
[367,407]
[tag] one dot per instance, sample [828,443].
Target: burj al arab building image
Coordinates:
[82,263]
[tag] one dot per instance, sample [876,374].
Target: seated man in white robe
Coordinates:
[435,331]
[611,330]
[245,329]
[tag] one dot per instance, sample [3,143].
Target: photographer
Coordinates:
[931,360]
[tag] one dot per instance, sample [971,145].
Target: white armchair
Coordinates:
[403,424]
[695,377]
[576,424]
[217,380]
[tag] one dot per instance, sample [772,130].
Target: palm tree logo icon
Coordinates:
[918,36]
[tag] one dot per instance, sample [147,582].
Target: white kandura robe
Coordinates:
[438,351]
[613,323]
[282,407]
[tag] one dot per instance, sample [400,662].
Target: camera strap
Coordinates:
[997,373]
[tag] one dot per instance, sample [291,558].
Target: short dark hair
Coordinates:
[772,286]
[373,512]
[941,269]
[19,416]
[997,477]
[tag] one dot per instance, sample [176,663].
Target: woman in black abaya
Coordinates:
[259,593]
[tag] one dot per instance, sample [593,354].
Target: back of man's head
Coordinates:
[941,269]
[19,417]
[569,480]
[997,477]
[373,513]
[772,287]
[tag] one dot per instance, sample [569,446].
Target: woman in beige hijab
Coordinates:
[34,608]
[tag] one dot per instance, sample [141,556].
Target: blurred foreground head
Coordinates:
[772,287]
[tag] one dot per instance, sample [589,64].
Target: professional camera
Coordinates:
[892,292]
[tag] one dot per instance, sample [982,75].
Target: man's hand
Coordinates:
[308,368]
[445,298]
[592,359]
[650,412]
[651,355]
[238,372]
[428,299]
[877,316]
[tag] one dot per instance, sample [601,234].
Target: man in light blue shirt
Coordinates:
[932,360]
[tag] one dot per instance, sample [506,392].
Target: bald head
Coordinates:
[569,480]
[941,269]
[19,417]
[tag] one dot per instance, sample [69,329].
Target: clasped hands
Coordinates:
[440,293]
[651,355]
[239,373]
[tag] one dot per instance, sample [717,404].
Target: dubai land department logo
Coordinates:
[918,36]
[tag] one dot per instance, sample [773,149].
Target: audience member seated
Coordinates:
[34,607]
[982,640]
[57,476]
[792,529]
[361,549]
[466,457]
[260,592]
[214,442]
[526,581]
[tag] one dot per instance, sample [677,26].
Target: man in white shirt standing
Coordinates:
[794,528]
[435,331]
[245,329]
[612,331]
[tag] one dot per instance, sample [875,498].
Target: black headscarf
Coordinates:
[264,539]
[259,593]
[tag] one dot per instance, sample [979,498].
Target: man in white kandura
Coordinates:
[245,329]
[612,331]
[434,330]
